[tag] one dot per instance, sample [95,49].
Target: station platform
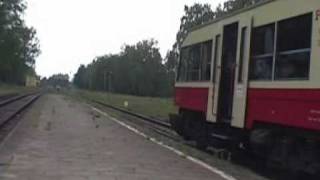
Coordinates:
[62,139]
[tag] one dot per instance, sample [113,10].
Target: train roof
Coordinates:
[262,13]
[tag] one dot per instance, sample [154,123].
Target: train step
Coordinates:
[220,137]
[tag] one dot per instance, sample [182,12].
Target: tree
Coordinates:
[79,78]
[194,15]
[139,70]
[59,80]
[136,70]
[18,45]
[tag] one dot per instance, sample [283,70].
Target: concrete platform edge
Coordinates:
[192,159]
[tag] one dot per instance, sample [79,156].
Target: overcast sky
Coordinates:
[73,32]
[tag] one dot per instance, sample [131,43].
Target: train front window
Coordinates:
[262,52]
[294,48]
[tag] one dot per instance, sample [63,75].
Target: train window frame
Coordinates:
[206,62]
[282,52]
[277,53]
[194,63]
[243,46]
[182,77]
[192,73]
[217,46]
[256,57]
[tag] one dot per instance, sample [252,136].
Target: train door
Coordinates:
[216,73]
[227,73]
[242,73]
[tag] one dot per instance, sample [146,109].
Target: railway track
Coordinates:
[10,107]
[157,126]
[140,116]
[7,96]
[164,129]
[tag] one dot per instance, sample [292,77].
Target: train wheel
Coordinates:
[201,136]
[187,125]
[186,129]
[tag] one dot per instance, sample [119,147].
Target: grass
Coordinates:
[153,107]
[9,89]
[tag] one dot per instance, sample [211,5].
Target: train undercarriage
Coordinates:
[279,147]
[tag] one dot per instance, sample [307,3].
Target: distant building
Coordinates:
[32,81]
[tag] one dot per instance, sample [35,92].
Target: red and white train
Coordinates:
[252,79]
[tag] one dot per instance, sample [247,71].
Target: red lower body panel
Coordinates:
[195,99]
[293,108]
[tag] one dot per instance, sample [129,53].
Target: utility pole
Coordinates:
[105,80]
[90,79]
[107,77]
[109,81]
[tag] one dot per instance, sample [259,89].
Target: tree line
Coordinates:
[56,80]
[18,43]
[139,69]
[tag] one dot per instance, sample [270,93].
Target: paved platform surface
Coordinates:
[59,139]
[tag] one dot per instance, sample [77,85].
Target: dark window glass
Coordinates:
[242,54]
[261,68]
[263,40]
[216,56]
[206,58]
[294,48]
[182,73]
[294,33]
[194,63]
[293,66]
[262,52]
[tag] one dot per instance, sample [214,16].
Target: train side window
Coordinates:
[262,52]
[293,48]
[195,62]
[242,53]
[193,73]
[206,57]
[183,64]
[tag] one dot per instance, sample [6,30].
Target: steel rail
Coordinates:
[15,98]
[140,116]
[221,152]
[19,109]
[7,96]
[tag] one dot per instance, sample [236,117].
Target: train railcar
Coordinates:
[252,80]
